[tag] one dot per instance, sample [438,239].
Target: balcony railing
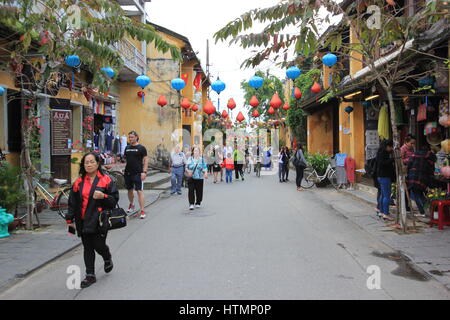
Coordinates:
[132,57]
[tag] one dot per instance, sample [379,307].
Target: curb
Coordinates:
[417,266]
[19,277]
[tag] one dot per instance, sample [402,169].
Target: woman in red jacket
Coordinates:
[91,193]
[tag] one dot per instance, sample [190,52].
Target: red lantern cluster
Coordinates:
[254,102]
[240,117]
[316,87]
[276,102]
[162,101]
[231,104]
[185,104]
[297,93]
[209,108]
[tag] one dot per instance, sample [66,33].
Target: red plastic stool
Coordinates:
[443,213]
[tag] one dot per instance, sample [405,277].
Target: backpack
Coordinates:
[298,162]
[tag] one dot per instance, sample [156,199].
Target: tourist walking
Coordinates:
[238,157]
[386,175]
[216,168]
[196,171]
[300,164]
[286,169]
[91,193]
[228,164]
[282,160]
[135,171]
[177,164]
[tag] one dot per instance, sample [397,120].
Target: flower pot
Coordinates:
[13,225]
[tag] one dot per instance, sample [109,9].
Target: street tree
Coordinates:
[375,24]
[42,34]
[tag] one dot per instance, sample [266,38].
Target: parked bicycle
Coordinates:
[248,165]
[310,177]
[58,200]
[258,166]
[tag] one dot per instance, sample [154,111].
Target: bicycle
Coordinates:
[310,177]
[56,201]
[116,175]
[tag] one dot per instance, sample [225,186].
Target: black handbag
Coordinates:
[112,219]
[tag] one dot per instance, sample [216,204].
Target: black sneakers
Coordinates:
[108,266]
[88,281]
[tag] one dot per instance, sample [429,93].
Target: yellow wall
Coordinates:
[320,129]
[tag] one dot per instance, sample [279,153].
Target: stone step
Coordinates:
[156,180]
[367,189]
[163,187]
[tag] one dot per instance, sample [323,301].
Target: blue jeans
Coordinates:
[229,175]
[419,199]
[176,179]
[385,185]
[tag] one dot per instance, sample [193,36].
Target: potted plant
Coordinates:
[319,162]
[11,192]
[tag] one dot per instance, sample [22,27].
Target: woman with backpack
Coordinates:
[300,165]
[91,193]
[196,170]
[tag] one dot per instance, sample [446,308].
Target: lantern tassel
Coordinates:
[73,81]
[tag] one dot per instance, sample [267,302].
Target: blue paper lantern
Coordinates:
[143,81]
[73,61]
[329,59]
[2,91]
[427,81]
[109,71]
[178,84]
[366,104]
[218,86]
[256,82]
[293,72]
[348,109]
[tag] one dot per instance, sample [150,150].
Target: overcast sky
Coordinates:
[198,20]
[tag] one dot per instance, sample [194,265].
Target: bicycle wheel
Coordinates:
[332,177]
[308,180]
[63,203]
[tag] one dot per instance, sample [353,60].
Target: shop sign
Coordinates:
[61,132]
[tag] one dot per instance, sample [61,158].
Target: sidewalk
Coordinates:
[428,248]
[26,251]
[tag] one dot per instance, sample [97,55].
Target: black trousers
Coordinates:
[195,191]
[238,169]
[94,243]
[286,171]
[299,177]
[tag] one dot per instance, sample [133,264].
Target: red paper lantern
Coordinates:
[240,117]
[297,93]
[276,102]
[254,102]
[231,104]
[162,101]
[286,106]
[185,104]
[271,110]
[195,108]
[209,108]
[224,114]
[255,113]
[316,87]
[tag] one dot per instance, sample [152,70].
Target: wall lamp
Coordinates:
[372,97]
[352,94]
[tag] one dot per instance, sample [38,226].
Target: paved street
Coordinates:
[256,239]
